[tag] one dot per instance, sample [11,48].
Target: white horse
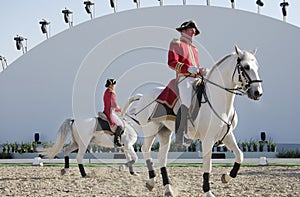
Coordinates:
[84,131]
[236,73]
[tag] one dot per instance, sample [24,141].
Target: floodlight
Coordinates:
[67,14]
[260,3]
[232,4]
[3,62]
[137,3]
[161,2]
[19,44]
[113,4]
[284,5]
[44,24]
[88,8]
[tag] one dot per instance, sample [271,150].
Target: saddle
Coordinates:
[102,124]
[166,109]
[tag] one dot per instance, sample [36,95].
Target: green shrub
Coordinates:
[289,154]
[5,155]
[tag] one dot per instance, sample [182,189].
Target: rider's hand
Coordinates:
[205,71]
[193,70]
[118,109]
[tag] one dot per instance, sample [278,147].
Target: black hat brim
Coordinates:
[187,25]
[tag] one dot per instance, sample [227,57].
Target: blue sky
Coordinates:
[21,17]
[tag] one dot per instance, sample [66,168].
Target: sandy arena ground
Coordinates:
[110,182]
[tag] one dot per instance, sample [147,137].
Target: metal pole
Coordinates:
[208,2]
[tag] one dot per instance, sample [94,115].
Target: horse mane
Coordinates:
[218,64]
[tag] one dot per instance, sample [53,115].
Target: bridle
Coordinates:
[243,76]
[245,82]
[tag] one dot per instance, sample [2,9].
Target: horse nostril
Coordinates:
[257,93]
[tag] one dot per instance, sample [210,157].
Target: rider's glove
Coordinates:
[193,70]
[205,71]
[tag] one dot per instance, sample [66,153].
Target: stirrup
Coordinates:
[219,143]
[187,142]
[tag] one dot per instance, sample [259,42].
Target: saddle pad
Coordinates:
[103,125]
[169,95]
[162,112]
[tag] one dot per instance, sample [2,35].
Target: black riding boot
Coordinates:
[117,136]
[181,124]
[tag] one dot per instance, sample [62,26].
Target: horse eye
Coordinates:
[247,67]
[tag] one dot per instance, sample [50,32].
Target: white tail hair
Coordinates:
[62,134]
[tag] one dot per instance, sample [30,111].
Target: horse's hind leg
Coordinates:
[146,150]
[80,154]
[73,146]
[231,144]
[131,158]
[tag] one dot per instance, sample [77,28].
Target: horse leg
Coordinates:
[146,148]
[73,146]
[231,144]
[79,157]
[131,158]
[164,136]
[207,165]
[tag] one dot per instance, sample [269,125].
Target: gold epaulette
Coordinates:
[176,40]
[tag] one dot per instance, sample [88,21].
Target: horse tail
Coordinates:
[62,134]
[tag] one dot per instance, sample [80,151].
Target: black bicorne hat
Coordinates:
[110,82]
[189,24]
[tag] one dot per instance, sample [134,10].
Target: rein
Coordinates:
[155,99]
[237,91]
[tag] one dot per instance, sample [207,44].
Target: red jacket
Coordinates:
[182,54]
[110,103]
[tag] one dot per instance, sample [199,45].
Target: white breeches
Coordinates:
[185,86]
[117,120]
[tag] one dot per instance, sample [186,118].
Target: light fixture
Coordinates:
[44,25]
[284,11]
[113,5]
[3,62]
[259,5]
[88,9]
[67,14]
[161,2]
[208,2]
[137,3]
[232,4]
[19,44]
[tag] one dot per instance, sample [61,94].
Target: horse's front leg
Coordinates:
[207,166]
[231,144]
[164,141]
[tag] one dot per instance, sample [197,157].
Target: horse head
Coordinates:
[247,73]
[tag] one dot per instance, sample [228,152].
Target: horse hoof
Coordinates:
[209,194]
[169,192]
[134,174]
[225,178]
[63,172]
[150,185]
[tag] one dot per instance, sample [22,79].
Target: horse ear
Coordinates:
[237,50]
[254,51]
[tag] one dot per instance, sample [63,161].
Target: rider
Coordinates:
[111,106]
[183,58]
